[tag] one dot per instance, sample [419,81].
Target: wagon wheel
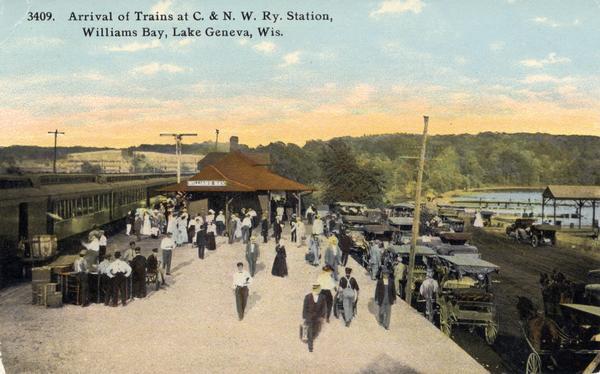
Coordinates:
[534,241]
[534,364]
[491,333]
[157,282]
[445,325]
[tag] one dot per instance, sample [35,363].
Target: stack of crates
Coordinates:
[43,290]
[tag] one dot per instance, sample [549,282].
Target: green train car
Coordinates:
[66,205]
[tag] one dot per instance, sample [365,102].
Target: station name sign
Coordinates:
[207,183]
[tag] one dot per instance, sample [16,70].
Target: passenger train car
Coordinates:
[69,204]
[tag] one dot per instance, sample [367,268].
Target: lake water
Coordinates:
[517,202]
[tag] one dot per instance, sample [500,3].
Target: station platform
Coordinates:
[191,326]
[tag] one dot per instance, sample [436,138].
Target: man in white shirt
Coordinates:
[106,278]
[246,227]
[120,270]
[81,269]
[318,227]
[241,281]
[129,252]
[220,223]
[166,245]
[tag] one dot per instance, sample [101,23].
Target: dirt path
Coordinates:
[520,267]
[192,326]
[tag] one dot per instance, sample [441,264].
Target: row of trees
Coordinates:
[381,169]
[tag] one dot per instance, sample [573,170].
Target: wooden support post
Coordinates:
[543,205]
[593,213]
[554,212]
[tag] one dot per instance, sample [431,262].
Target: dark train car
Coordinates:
[66,205]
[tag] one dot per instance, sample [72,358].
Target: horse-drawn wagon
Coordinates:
[465,297]
[569,348]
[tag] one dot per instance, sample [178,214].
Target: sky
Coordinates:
[377,67]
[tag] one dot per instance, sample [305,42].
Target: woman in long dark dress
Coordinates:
[279,264]
[211,232]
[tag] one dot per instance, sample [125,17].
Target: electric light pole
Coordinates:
[417,214]
[178,138]
[56,133]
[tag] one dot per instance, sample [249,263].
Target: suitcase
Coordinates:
[304,332]
[37,291]
[54,300]
[41,274]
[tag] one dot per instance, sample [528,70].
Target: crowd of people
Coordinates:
[328,248]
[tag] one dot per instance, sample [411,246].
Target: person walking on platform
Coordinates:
[220,222]
[81,269]
[314,310]
[332,256]
[201,239]
[252,254]
[294,230]
[429,289]
[129,252]
[279,268]
[385,296]
[241,281]
[152,265]
[375,258]
[138,266]
[129,221]
[102,243]
[166,246]
[345,245]
[232,228]
[349,293]
[310,214]
[246,227]
[264,228]
[301,232]
[211,233]
[277,229]
[315,250]
[328,285]
[106,278]
[318,227]
[120,270]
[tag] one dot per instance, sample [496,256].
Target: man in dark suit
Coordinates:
[345,245]
[252,254]
[385,296]
[201,240]
[314,311]
[138,266]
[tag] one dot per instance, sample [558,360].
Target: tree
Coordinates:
[345,179]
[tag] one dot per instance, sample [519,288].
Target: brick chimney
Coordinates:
[234,144]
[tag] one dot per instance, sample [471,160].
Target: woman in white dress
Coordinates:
[182,225]
[171,222]
[147,226]
[238,228]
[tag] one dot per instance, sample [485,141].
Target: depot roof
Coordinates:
[572,192]
[236,172]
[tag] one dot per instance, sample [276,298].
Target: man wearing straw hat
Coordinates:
[314,311]
[252,254]
[332,256]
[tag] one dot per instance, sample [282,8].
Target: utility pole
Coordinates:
[56,133]
[417,214]
[178,138]
[217,141]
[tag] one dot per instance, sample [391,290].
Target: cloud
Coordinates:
[265,47]
[291,58]
[182,43]
[545,21]
[90,76]
[360,94]
[497,46]
[162,6]
[398,7]
[545,78]
[134,47]
[155,67]
[550,60]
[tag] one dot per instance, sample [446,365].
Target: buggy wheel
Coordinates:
[491,333]
[534,364]
[534,241]
[157,282]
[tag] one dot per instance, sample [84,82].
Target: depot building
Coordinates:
[235,180]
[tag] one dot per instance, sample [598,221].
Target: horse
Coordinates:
[543,332]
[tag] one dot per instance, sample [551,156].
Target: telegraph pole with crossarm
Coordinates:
[178,138]
[56,133]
